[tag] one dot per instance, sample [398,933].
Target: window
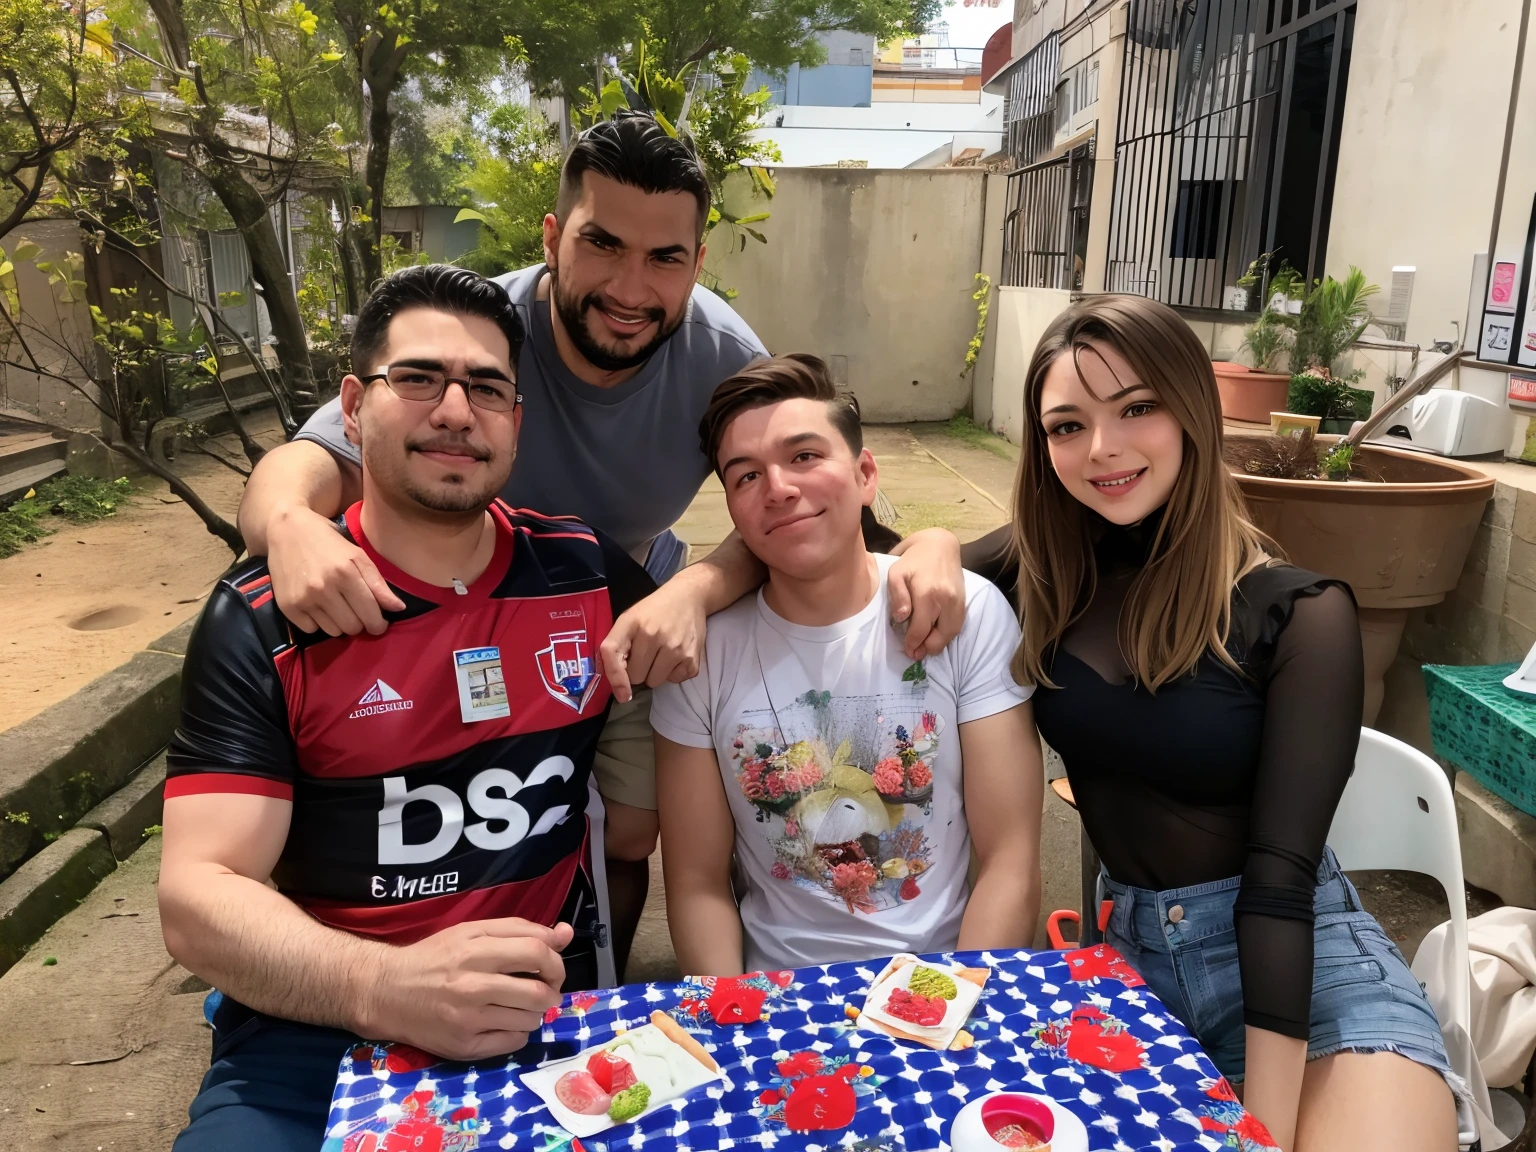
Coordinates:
[1227,142]
[1029,117]
[1085,85]
[1063,108]
[1045,226]
[1197,219]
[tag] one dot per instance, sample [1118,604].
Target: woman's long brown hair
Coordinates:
[1179,607]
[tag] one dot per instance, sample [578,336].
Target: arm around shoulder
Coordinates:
[293,478]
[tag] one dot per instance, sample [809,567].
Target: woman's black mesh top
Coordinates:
[1217,775]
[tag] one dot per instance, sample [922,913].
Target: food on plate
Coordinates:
[932,983]
[612,1073]
[922,1001]
[916,1008]
[582,1094]
[1021,1136]
[655,1059]
[632,1073]
[629,1103]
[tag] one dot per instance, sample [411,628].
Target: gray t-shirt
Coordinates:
[626,459]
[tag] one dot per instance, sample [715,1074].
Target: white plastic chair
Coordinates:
[607,969]
[1398,812]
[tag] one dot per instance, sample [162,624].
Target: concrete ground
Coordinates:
[102,1041]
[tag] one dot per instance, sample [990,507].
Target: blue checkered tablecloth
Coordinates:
[1053,1023]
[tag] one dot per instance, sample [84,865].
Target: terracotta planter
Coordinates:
[1247,395]
[1400,544]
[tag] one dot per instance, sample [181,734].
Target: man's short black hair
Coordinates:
[438,286]
[631,148]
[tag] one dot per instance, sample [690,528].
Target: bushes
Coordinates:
[78,499]
[1329,399]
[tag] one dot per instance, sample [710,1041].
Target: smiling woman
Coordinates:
[1205,699]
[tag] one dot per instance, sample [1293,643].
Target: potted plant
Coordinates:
[1335,402]
[1249,395]
[1396,526]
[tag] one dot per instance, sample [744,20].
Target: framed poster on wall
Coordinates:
[1503,286]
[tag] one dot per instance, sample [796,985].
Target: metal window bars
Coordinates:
[1197,108]
[1226,142]
[1029,121]
[1045,226]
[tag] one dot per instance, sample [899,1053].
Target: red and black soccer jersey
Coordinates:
[408,817]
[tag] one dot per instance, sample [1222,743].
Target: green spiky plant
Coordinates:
[1266,339]
[1333,315]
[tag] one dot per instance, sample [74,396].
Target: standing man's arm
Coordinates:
[1004,781]
[321,581]
[699,835]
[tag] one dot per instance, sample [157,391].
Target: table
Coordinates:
[1076,1026]
[1484,728]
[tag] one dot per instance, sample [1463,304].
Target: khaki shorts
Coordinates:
[625,765]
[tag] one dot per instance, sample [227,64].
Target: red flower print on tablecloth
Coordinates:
[815,1093]
[739,999]
[1226,1118]
[577,1002]
[1101,962]
[1092,1037]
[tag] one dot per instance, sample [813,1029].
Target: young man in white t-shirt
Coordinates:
[812,749]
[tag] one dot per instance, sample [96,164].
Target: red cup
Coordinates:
[1007,1115]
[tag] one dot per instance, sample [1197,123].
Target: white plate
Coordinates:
[542,1080]
[897,974]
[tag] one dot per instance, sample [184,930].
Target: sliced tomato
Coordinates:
[579,1092]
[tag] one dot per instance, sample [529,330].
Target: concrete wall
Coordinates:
[1489,618]
[872,269]
[1423,127]
[1021,316]
[60,335]
[992,265]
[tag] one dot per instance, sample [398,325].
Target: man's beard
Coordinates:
[573,315]
[454,499]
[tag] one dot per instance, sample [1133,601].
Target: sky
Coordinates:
[969,27]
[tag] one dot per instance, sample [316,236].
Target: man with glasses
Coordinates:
[385,836]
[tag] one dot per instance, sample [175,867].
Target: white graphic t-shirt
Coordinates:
[841,762]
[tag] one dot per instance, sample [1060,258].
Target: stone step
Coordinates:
[27,458]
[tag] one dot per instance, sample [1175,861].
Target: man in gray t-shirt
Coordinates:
[624,351]
[625,459]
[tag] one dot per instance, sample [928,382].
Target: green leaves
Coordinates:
[915,674]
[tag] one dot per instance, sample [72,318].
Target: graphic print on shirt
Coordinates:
[846,792]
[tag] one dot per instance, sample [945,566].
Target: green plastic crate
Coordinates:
[1484,728]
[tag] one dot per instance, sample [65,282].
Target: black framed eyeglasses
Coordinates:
[488,393]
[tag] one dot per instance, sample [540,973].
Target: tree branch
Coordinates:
[215,523]
[209,315]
